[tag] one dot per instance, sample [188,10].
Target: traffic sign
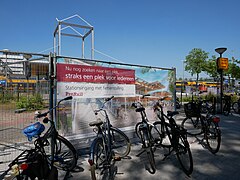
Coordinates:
[222,63]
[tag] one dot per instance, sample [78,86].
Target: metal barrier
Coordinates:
[24,88]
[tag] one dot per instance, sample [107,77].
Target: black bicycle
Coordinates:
[50,150]
[236,106]
[207,124]
[110,145]
[168,134]
[227,105]
[143,131]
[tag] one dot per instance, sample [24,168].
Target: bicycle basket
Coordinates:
[191,109]
[33,130]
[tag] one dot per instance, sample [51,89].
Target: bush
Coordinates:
[6,97]
[30,103]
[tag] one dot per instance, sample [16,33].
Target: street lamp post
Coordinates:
[220,51]
[182,83]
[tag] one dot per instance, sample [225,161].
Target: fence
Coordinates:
[90,81]
[24,88]
[30,82]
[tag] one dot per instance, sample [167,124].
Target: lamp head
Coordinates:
[220,50]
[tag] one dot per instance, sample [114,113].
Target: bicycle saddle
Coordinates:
[98,122]
[33,130]
[172,113]
[140,109]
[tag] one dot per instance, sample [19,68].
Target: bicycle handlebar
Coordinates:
[46,113]
[158,105]
[108,99]
[105,101]
[136,104]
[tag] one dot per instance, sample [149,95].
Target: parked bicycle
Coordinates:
[168,134]
[236,106]
[206,106]
[178,103]
[227,105]
[50,151]
[143,131]
[207,124]
[110,145]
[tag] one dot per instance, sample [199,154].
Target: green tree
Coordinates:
[211,67]
[171,79]
[233,69]
[195,62]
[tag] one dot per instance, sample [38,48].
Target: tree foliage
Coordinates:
[210,67]
[195,62]
[233,69]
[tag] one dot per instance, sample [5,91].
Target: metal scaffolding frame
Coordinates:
[63,25]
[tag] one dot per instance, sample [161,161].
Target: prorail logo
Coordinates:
[74,93]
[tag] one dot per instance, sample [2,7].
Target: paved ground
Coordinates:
[223,165]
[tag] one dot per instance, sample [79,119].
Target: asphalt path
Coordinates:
[221,166]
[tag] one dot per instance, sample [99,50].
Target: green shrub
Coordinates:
[30,103]
[6,97]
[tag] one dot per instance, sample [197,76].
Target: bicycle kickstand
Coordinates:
[167,154]
[67,175]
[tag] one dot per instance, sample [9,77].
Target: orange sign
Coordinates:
[222,63]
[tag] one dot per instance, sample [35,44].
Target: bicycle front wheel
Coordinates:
[150,165]
[137,130]
[226,110]
[213,137]
[100,168]
[192,125]
[120,142]
[65,155]
[160,134]
[235,107]
[183,151]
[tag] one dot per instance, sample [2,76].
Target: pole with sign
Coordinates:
[222,64]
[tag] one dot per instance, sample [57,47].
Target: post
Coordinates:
[174,93]
[220,51]
[182,83]
[221,91]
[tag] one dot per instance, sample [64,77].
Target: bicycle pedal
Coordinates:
[117,158]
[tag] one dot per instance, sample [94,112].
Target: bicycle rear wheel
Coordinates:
[120,142]
[65,155]
[183,151]
[213,137]
[192,125]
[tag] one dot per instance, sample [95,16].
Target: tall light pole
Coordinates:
[182,83]
[220,51]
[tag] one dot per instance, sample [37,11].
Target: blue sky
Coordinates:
[147,32]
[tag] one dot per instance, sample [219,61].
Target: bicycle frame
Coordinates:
[145,137]
[103,134]
[165,128]
[176,138]
[28,156]
[51,132]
